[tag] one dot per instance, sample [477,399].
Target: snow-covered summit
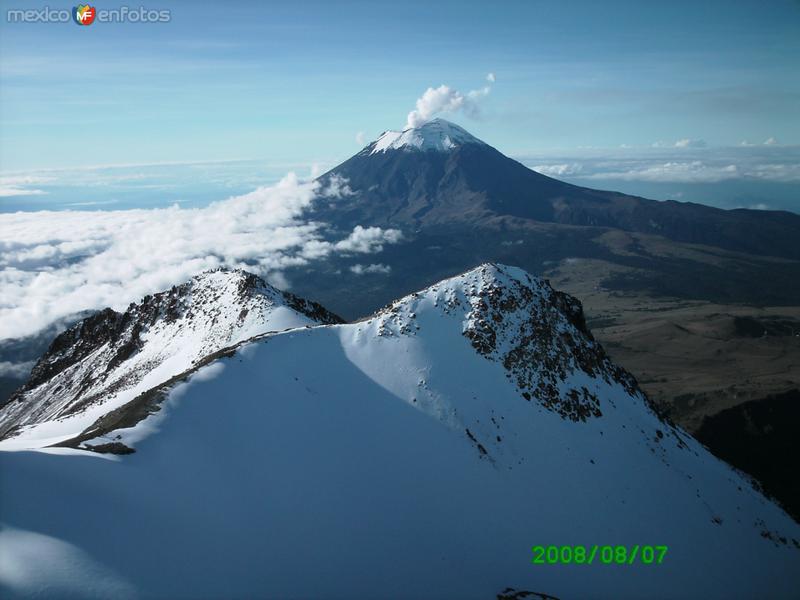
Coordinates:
[105,360]
[436,135]
[538,334]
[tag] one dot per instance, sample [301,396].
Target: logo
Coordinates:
[83,14]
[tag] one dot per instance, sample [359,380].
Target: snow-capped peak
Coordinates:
[106,360]
[538,334]
[437,135]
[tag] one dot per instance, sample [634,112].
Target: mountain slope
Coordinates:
[418,453]
[438,174]
[105,360]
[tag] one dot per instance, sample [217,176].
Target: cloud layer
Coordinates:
[53,264]
[677,163]
[19,185]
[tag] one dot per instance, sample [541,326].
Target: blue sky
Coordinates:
[297,81]
[164,148]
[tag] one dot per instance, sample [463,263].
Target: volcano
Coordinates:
[438,174]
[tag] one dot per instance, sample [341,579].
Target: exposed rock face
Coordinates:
[109,355]
[537,333]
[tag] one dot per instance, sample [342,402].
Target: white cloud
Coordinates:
[434,101]
[770,141]
[53,264]
[16,370]
[381,269]
[474,95]
[682,143]
[700,172]
[560,170]
[445,99]
[775,172]
[337,187]
[675,165]
[18,185]
[368,239]
[24,179]
[362,240]
[8,190]
[361,138]
[491,78]
[690,143]
[695,171]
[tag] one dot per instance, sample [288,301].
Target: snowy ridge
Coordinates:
[442,437]
[435,135]
[107,359]
[537,333]
[534,342]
